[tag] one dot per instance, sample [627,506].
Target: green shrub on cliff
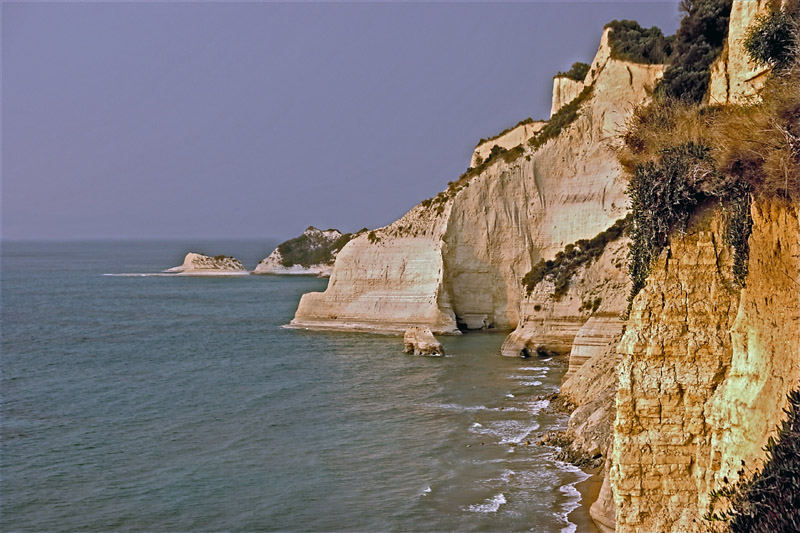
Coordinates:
[577,72]
[566,263]
[772,39]
[697,43]
[769,502]
[631,42]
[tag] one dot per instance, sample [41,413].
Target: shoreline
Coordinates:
[589,489]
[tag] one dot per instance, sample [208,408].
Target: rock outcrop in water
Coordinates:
[457,260]
[203,265]
[420,341]
[312,253]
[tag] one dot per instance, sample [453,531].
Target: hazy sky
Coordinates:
[220,120]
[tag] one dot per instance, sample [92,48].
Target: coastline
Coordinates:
[589,489]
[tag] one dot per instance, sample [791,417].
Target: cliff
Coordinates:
[705,369]
[507,140]
[203,265]
[458,259]
[312,253]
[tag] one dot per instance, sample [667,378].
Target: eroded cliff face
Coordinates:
[460,260]
[735,79]
[705,369]
[564,91]
[513,137]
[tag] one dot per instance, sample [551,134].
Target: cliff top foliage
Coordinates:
[522,122]
[768,502]
[698,42]
[681,154]
[577,72]
[567,262]
[561,119]
[631,42]
[688,54]
[311,249]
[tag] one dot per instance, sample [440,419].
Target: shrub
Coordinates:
[630,42]
[769,502]
[373,238]
[561,119]
[566,263]
[577,72]
[697,43]
[772,39]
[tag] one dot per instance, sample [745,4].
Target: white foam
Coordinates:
[509,395]
[508,431]
[488,506]
[534,383]
[476,425]
[426,491]
[473,408]
[534,368]
[535,407]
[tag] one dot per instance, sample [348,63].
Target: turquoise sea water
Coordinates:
[174,403]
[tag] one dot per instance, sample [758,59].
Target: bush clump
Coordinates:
[772,39]
[769,502]
[697,43]
[566,263]
[631,42]
[577,72]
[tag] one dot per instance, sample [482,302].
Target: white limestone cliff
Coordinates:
[515,136]
[565,90]
[459,259]
[312,253]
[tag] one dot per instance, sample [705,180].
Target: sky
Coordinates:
[255,120]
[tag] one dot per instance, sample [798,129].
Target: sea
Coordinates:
[166,403]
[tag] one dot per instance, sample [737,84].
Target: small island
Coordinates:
[312,253]
[195,264]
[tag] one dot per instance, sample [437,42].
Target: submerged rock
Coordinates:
[202,265]
[420,341]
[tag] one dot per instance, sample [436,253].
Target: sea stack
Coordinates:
[195,264]
[420,341]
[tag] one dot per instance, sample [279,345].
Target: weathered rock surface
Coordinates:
[705,369]
[312,253]
[203,265]
[460,259]
[565,90]
[735,79]
[420,341]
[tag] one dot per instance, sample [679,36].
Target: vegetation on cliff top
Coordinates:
[681,154]
[566,263]
[522,122]
[311,248]
[688,54]
[577,72]
[769,501]
[561,119]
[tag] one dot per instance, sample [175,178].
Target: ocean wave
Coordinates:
[508,431]
[488,506]
[473,408]
[534,368]
[534,383]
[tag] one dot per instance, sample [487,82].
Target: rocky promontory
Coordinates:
[312,253]
[195,264]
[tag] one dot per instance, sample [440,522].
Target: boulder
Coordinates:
[420,341]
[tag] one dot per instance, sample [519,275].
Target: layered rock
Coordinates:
[459,258]
[312,253]
[420,341]
[705,369]
[202,265]
[515,136]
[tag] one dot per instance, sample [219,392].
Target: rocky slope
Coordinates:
[458,259]
[312,253]
[203,265]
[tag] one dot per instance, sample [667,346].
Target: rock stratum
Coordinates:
[203,265]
